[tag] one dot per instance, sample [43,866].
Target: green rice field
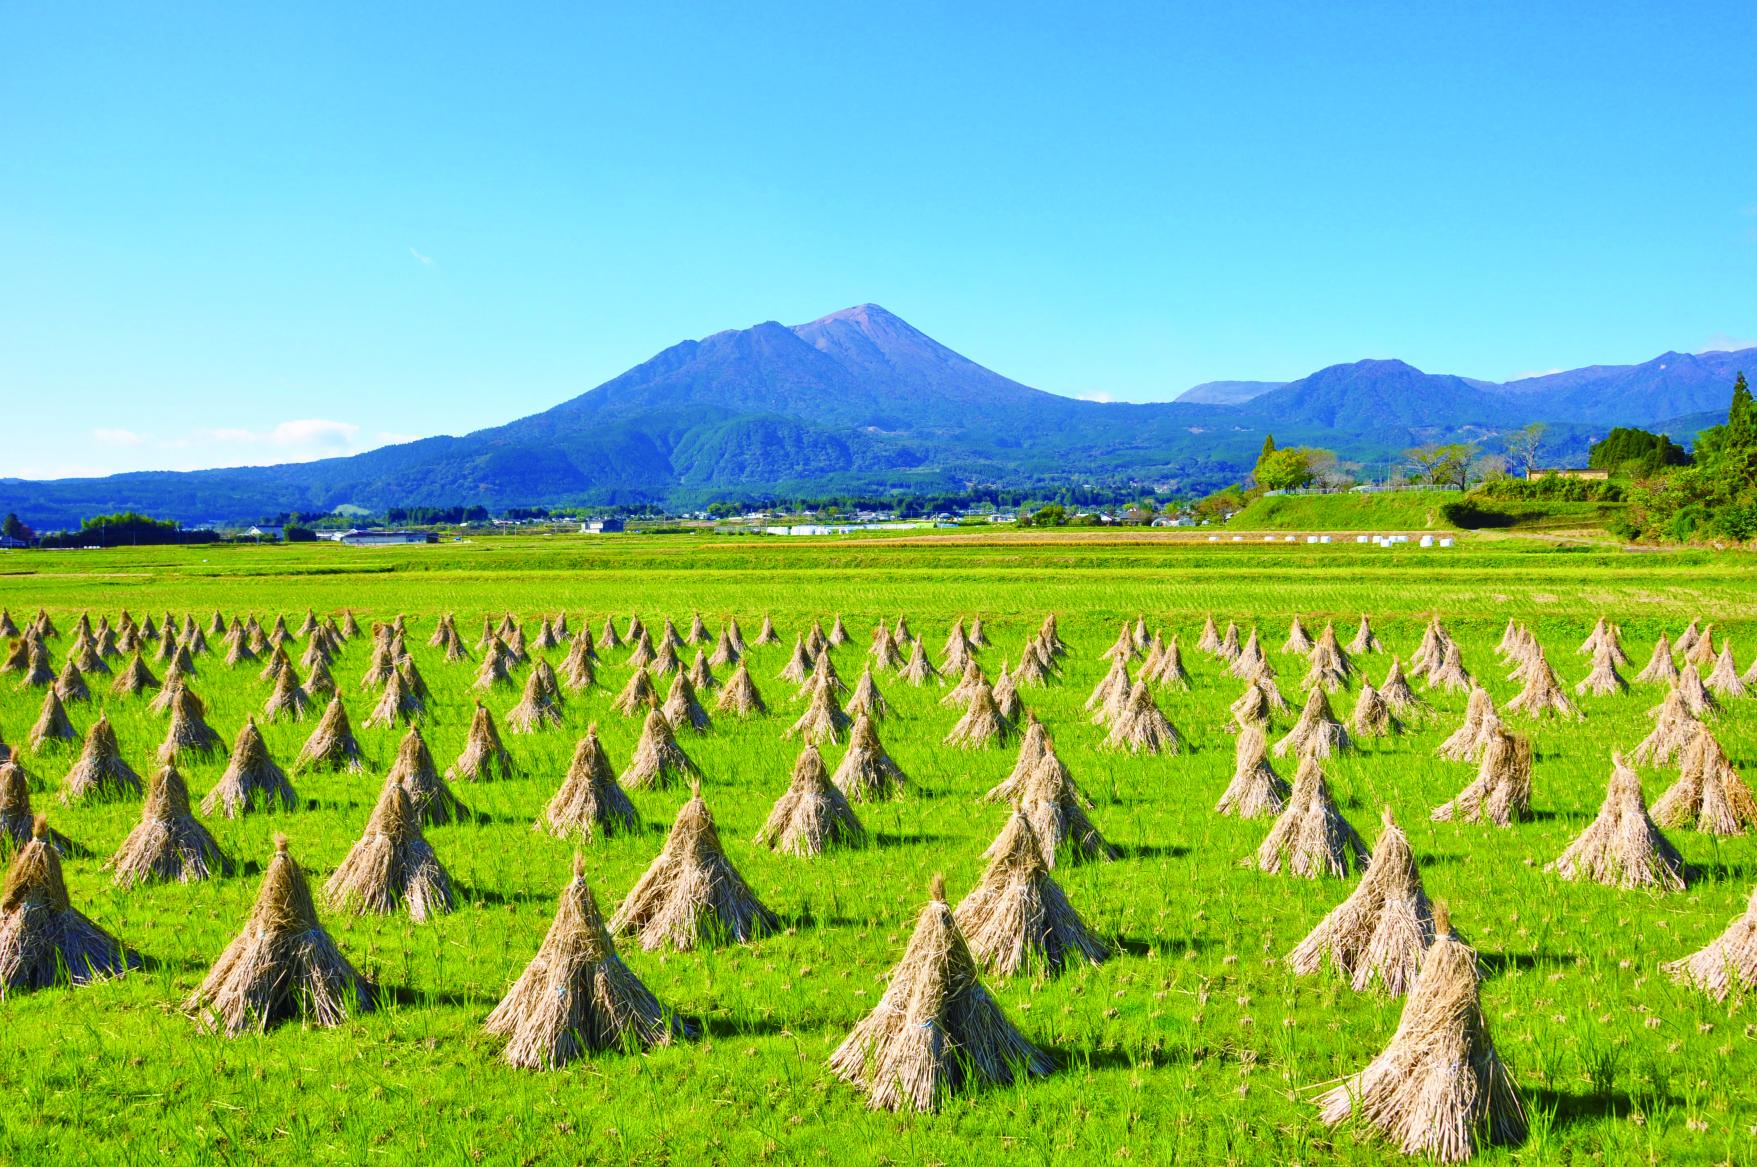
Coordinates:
[1193,1044]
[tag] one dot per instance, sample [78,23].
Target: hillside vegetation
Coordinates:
[1400,510]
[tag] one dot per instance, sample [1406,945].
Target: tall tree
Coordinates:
[1522,446]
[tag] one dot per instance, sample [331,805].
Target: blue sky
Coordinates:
[253,233]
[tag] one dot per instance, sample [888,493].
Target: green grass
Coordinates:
[1399,510]
[1194,1045]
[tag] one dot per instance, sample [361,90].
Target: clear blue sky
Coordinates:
[245,233]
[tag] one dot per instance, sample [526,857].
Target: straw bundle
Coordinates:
[1330,667]
[1317,734]
[589,802]
[1501,791]
[1209,639]
[485,756]
[431,795]
[1467,742]
[319,682]
[495,671]
[1543,694]
[867,699]
[1017,917]
[1006,695]
[638,696]
[936,1032]
[1384,926]
[1724,678]
[289,699]
[700,675]
[798,664]
[1298,639]
[1709,795]
[1110,693]
[332,745]
[739,695]
[70,685]
[692,895]
[100,774]
[682,710]
[1451,676]
[767,634]
[1057,811]
[283,965]
[1660,668]
[823,720]
[52,726]
[1604,679]
[44,939]
[189,732]
[1364,638]
[1686,642]
[576,996]
[168,844]
[1250,655]
[1372,715]
[1256,790]
[538,706]
[392,865]
[1674,728]
[867,773]
[982,722]
[884,650]
[251,781]
[1141,727]
[1622,847]
[16,819]
[1696,697]
[1310,838]
[919,671]
[658,762]
[1168,671]
[577,669]
[812,815]
[1727,962]
[1439,1088]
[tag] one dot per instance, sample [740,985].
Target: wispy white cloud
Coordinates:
[1097,395]
[1722,342]
[315,432]
[1533,373]
[113,436]
[423,260]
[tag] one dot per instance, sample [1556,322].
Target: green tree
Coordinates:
[1443,464]
[1522,447]
[1287,469]
[14,528]
[1268,446]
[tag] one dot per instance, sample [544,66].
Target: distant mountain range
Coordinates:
[861,401]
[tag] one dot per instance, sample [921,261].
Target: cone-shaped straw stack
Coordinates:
[168,843]
[1439,1087]
[1384,926]
[1501,791]
[1017,916]
[100,773]
[392,865]
[576,996]
[44,939]
[1727,963]
[1709,795]
[866,772]
[251,782]
[658,762]
[812,815]
[936,1032]
[484,756]
[590,803]
[1256,790]
[1311,838]
[332,745]
[692,895]
[282,965]
[1623,847]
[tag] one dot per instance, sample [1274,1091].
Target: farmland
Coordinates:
[1195,1043]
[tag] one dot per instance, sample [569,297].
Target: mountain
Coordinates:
[1669,386]
[861,401]
[1226,392]
[1371,396]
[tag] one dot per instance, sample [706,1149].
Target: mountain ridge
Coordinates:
[861,401]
